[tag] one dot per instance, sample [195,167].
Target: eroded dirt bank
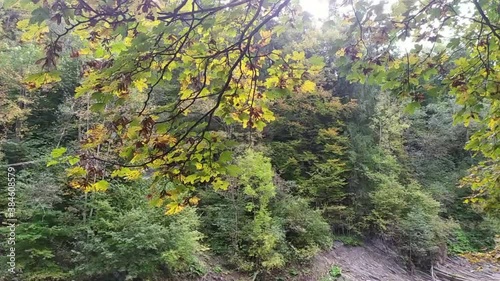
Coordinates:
[374,262]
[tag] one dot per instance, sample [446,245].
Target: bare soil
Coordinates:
[377,262]
[370,262]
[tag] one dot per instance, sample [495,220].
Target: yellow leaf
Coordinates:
[413,59]
[298,56]
[34,32]
[140,84]
[126,173]
[151,23]
[220,184]
[268,115]
[101,185]
[84,51]
[265,33]
[272,82]
[492,124]
[167,139]
[76,172]
[23,23]
[188,6]
[39,79]
[194,200]
[266,36]
[158,202]
[75,184]
[173,208]
[190,179]
[128,41]
[308,86]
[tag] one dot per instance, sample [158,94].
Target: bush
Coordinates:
[128,238]
[460,243]
[66,235]
[256,226]
[410,218]
[306,230]
[46,230]
[334,273]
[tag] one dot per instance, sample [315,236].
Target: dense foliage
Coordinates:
[165,140]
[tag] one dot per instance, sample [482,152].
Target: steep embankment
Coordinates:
[376,262]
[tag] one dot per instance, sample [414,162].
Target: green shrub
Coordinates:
[410,218]
[334,273]
[306,230]
[256,227]
[460,243]
[46,229]
[66,235]
[128,238]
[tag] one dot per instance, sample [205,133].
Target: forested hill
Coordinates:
[248,140]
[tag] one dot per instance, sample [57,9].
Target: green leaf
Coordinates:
[100,52]
[39,15]
[122,30]
[191,178]
[98,107]
[118,47]
[317,61]
[58,152]
[162,128]
[73,160]
[219,184]
[225,156]
[412,106]
[453,43]
[9,3]
[52,162]
[101,185]
[208,23]
[233,170]
[260,125]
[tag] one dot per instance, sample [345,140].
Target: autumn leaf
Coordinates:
[140,85]
[308,87]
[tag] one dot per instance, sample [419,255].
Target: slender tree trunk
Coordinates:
[19,122]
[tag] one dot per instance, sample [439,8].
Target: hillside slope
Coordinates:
[374,262]
[377,262]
